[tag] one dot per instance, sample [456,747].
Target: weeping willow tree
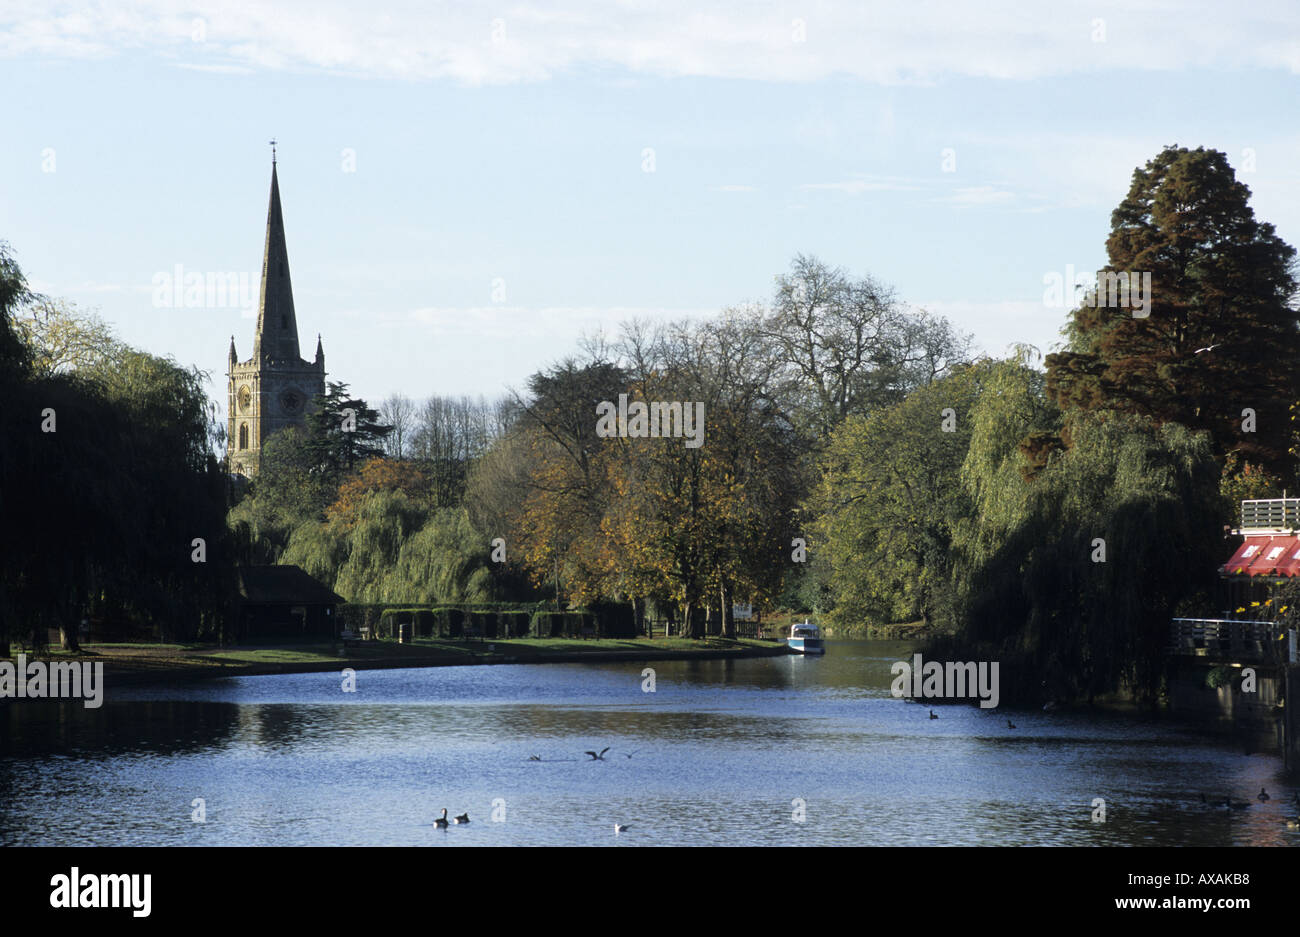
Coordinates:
[109,490]
[394,548]
[1069,575]
[445,561]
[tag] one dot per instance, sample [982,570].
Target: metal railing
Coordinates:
[1226,638]
[1271,514]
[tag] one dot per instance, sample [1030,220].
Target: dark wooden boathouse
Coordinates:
[284,602]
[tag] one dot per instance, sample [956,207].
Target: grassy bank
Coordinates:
[779,623]
[140,663]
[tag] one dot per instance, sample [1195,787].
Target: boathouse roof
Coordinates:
[283,585]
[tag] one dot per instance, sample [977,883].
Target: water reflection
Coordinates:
[721,753]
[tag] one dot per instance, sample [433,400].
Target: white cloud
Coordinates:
[886,42]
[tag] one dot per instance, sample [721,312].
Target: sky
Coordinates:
[470,188]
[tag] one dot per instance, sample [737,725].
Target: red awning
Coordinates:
[1277,555]
[1273,555]
[1290,562]
[1247,553]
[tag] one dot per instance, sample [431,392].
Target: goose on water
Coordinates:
[463,818]
[441,822]
[1010,724]
[620,828]
[1262,796]
[598,756]
[932,715]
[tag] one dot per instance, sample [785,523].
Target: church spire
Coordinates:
[277,328]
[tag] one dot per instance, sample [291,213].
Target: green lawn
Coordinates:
[195,657]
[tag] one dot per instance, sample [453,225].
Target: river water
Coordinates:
[776,751]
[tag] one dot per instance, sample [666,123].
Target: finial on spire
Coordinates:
[272,151]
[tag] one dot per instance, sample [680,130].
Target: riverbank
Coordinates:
[170,663]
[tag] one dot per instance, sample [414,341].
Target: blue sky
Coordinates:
[506,149]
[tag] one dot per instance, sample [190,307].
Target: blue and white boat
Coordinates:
[805,639]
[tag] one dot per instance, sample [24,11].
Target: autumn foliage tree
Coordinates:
[376,474]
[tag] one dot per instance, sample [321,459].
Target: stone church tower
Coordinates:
[272,389]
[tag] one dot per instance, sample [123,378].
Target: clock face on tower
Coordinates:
[290,401]
[245,397]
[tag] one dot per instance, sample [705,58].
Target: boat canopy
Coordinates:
[1275,555]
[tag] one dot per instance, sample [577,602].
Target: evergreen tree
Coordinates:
[343,432]
[1217,347]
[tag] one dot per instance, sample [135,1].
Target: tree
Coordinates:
[448,435]
[890,498]
[1075,591]
[342,432]
[398,412]
[849,345]
[64,339]
[1217,345]
[377,475]
[108,478]
[15,355]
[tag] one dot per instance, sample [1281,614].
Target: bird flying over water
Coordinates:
[598,756]
[1207,348]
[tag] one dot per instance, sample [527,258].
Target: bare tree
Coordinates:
[851,345]
[398,411]
[448,435]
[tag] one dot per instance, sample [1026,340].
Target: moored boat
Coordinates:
[805,639]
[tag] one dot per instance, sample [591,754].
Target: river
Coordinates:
[774,751]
